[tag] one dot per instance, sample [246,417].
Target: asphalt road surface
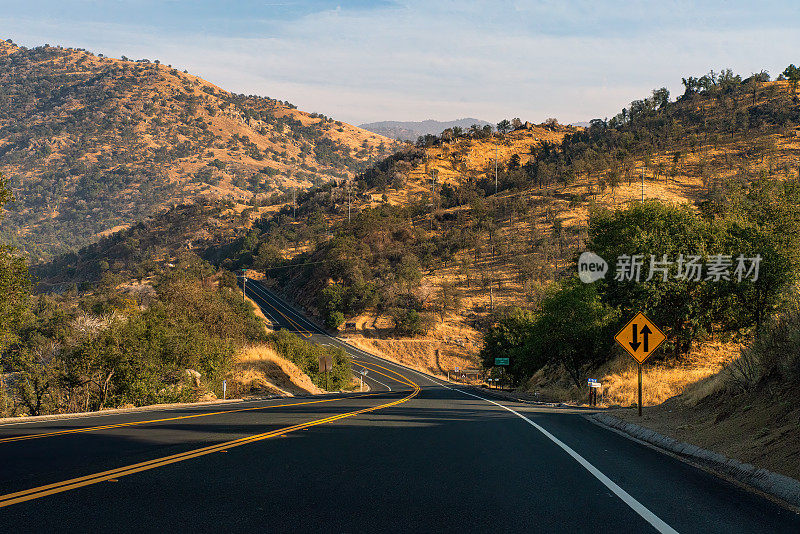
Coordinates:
[412,455]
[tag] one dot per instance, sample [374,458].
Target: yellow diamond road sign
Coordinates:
[640,337]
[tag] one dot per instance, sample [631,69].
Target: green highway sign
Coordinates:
[501,361]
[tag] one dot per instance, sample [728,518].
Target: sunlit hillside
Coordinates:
[491,220]
[89,144]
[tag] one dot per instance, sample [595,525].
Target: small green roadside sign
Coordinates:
[501,361]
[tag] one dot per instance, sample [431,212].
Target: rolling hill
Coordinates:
[432,243]
[409,130]
[90,144]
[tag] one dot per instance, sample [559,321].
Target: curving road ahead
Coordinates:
[412,455]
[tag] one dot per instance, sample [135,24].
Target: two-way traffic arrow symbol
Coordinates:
[640,337]
[645,334]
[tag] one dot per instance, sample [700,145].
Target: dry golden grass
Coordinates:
[257,310]
[260,370]
[694,377]
[674,175]
[759,427]
[697,375]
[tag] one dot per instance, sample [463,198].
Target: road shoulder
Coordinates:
[780,488]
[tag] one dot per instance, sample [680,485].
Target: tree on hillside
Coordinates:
[792,74]
[504,126]
[655,229]
[447,299]
[408,273]
[507,339]
[661,97]
[689,303]
[572,328]
[14,286]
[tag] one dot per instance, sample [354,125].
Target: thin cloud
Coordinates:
[415,60]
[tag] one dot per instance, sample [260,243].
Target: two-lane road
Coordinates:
[413,454]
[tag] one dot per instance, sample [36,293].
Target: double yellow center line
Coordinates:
[176,418]
[305,332]
[74,483]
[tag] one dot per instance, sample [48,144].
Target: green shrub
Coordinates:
[334,319]
[774,352]
[306,356]
[410,322]
[573,328]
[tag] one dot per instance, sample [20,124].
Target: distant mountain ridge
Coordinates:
[410,130]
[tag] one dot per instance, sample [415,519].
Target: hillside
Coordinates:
[90,144]
[439,240]
[445,268]
[149,247]
[410,130]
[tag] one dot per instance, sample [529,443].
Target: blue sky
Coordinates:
[363,61]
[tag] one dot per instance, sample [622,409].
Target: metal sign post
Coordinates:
[640,390]
[594,385]
[326,366]
[361,375]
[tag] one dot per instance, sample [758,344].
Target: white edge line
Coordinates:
[635,505]
[378,381]
[264,296]
[626,497]
[347,345]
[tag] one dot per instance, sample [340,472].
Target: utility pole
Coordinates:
[642,185]
[244,284]
[434,174]
[496,148]
[349,185]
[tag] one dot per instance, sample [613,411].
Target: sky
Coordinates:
[363,61]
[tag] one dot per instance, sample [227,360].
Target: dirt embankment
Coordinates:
[259,370]
[428,356]
[761,428]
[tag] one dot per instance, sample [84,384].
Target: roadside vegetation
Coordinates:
[171,340]
[476,231]
[428,238]
[575,322]
[145,332]
[750,210]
